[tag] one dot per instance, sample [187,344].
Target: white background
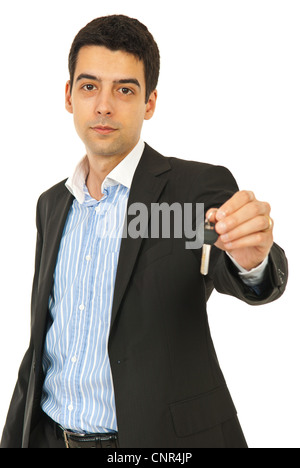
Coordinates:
[229,94]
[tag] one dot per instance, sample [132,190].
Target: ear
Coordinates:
[68,98]
[150,106]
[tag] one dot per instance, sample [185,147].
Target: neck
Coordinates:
[99,168]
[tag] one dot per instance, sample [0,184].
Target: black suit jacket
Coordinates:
[169,389]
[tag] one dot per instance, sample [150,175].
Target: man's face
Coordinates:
[108,100]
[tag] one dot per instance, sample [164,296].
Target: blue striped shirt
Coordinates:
[78,389]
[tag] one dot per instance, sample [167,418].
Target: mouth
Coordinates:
[103,130]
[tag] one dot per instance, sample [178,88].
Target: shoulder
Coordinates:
[197,169]
[187,166]
[52,195]
[188,172]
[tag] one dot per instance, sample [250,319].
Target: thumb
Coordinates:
[211,215]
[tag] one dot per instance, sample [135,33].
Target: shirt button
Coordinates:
[70,407]
[88,258]
[74,359]
[81,307]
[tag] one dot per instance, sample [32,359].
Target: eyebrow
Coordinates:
[84,76]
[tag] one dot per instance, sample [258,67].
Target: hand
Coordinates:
[245,228]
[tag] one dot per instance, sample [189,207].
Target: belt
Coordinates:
[75,440]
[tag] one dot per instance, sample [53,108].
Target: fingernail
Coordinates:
[210,214]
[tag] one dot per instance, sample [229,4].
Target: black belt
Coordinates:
[75,440]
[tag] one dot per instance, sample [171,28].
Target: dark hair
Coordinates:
[119,32]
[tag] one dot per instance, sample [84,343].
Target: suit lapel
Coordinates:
[149,180]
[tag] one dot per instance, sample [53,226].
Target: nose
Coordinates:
[104,105]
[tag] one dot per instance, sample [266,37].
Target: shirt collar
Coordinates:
[121,174]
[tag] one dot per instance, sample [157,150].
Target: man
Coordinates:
[120,352]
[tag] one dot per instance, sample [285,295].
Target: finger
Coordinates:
[246,213]
[254,225]
[259,240]
[237,201]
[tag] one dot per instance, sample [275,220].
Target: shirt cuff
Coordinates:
[253,277]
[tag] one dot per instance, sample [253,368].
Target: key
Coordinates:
[210,237]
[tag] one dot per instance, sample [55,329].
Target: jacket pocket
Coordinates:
[202,412]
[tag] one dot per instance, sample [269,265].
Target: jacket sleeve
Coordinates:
[13,429]
[226,280]
[223,275]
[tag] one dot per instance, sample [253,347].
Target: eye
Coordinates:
[125,91]
[89,87]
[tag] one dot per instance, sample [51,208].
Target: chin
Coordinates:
[110,149]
